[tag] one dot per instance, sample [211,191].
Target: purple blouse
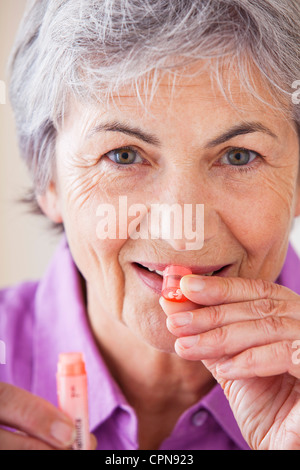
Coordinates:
[39,320]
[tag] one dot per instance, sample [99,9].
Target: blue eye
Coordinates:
[239,157]
[124,156]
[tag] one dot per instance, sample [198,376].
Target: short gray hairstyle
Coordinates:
[89,49]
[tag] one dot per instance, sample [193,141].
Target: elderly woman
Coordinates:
[159,102]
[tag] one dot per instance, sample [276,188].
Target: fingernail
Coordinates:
[187,342]
[180,319]
[193,283]
[63,432]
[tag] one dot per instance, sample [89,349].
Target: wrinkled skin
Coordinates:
[245,338]
[249,210]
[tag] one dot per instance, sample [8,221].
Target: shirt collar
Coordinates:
[62,326]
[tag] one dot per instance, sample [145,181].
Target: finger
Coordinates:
[21,410]
[237,337]
[214,290]
[197,321]
[93,442]
[15,441]
[264,361]
[172,307]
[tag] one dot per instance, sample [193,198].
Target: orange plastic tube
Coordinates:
[171,283]
[72,391]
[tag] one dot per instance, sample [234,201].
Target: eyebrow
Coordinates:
[241,129]
[116,126]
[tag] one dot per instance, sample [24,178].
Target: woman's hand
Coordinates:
[246,333]
[38,424]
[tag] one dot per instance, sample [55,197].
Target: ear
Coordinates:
[50,204]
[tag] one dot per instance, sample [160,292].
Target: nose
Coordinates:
[180,225]
[180,212]
[181,217]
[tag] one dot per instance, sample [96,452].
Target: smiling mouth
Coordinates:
[152,274]
[195,270]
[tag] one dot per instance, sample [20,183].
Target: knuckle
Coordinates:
[288,349]
[282,351]
[265,288]
[216,314]
[273,326]
[219,336]
[226,288]
[249,359]
[266,307]
[29,415]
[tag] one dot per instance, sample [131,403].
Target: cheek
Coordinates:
[272,214]
[261,209]
[260,219]
[262,226]
[98,262]
[96,223]
[95,254]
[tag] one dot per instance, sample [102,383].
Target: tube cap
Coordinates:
[171,283]
[71,364]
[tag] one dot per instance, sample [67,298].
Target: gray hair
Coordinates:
[89,49]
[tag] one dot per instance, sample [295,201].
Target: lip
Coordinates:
[154,281]
[194,269]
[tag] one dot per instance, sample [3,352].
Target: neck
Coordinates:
[151,378]
[159,385]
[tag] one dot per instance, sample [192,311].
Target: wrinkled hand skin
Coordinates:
[245,332]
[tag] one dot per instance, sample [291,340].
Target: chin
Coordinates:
[152,331]
[163,344]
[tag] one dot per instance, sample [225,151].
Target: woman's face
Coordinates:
[192,147]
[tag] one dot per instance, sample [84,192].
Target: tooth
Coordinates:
[159,272]
[155,271]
